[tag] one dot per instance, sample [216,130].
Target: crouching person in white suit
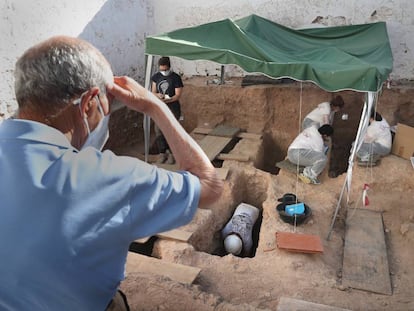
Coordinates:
[237,233]
[377,140]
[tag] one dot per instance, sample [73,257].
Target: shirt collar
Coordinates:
[34,131]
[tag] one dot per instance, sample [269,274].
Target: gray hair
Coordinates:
[51,74]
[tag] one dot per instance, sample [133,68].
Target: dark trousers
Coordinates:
[160,139]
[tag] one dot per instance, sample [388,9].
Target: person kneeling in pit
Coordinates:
[377,140]
[237,233]
[323,113]
[308,149]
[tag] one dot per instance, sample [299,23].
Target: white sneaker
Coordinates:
[364,159]
[309,180]
[315,181]
[304,178]
[162,157]
[170,159]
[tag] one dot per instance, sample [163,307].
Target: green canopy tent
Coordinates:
[356,57]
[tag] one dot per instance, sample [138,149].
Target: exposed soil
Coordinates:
[228,282]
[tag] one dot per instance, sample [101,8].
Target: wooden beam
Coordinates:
[365,264]
[225,131]
[213,145]
[176,234]
[137,263]
[222,172]
[207,131]
[249,135]
[233,156]
[142,240]
[201,130]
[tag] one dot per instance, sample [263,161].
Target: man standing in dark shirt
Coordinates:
[168,86]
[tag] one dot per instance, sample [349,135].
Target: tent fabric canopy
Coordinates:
[356,57]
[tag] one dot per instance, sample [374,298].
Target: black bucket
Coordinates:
[288,199]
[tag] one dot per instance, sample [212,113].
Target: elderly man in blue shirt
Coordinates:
[68,210]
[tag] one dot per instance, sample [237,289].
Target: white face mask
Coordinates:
[99,136]
[165,72]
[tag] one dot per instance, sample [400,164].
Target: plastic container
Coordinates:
[291,219]
[298,209]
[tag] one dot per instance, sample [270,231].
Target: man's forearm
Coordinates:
[188,154]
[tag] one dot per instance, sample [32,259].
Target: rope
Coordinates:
[370,163]
[299,128]
[297,165]
[368,175]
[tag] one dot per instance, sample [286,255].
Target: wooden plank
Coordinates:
[290,304]
[137,263]
[249,135]
[365,264]
[289,166]
[206,131]
[297,242]
[233,156]
[222,172]
[201,130]
[176,234]
[143,240]
[213,145]
[225,131]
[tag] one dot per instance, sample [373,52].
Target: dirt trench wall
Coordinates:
[274,110]
[125,129]
[277,110]
[244,184]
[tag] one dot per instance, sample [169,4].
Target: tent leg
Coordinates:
[336,210]
[222,75]
[371,98]
[147,119]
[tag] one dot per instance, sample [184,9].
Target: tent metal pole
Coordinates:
[336,210]
[355,147]
[147,119]
[222,75]
[364,120]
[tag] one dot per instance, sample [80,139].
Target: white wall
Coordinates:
[399,15]
[118,28]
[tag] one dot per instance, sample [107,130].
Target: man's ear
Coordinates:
[87,101]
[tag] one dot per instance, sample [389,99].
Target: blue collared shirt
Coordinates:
[67,217]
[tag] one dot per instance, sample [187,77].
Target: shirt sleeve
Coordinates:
[129,197]
[178,82]
[154,77]
[162,201]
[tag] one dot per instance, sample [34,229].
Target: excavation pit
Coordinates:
[271,111]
